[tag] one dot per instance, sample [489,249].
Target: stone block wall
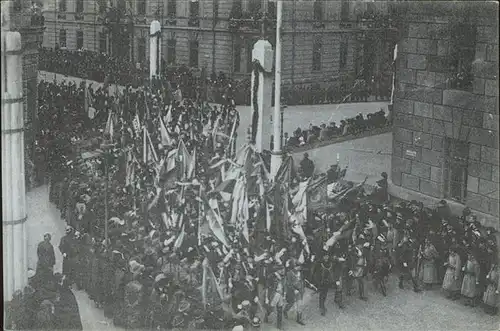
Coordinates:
[427,110]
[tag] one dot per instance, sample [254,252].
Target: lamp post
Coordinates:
[105,147]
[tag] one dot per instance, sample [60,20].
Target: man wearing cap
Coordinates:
[295,290]
[322,274]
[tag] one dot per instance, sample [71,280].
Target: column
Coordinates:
[263,52]
[154,49]
[13,180]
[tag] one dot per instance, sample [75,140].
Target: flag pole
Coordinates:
[276,153]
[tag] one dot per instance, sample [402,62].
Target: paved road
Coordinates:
[400,310]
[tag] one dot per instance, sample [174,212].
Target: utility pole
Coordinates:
[277,141]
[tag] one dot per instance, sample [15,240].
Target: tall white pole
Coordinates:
[276,153]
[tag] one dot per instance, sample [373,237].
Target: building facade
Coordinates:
[25,19]
[445,139]
[323,41]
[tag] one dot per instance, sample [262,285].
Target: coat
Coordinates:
[428,270]
[470,283]
[46,256]
[67,312]
[322,273]
[490,296]
[68,246]
[451,281]
[294,281]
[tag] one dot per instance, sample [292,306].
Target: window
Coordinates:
[62,6]
[456,160]
[171,43]
[79,39]
[141,50]
[237,58]
[172,8]
[271,8]
[462,53]
[103,44]
[62,38]
[79,6]
[316,56]
[193,54]
[236,9]
[122,5]
[344,11]
[318,10]
[102,6]
[141,7]
[343,53]
[249,49]
[194,8]
[254,6]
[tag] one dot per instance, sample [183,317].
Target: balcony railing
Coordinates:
[79,16]
[194,21]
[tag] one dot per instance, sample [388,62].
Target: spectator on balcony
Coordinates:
[325,133]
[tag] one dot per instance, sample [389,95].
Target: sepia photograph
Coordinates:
[250,165]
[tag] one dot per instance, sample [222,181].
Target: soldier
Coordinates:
[406,262]
[322,273]
[339,263]
[294,290]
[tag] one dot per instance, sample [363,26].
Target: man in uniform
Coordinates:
[294,290]
[322,273]
[406,260]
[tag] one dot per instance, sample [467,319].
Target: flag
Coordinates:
[231,139]
[109,130]
[168,117]
[149,153]
[184,158]
[130,177]
[137,124]
[180,238]
[191,167]
[165,137]
[214,220]
[209,282]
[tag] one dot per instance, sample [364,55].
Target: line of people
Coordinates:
[350,126]
[114,70]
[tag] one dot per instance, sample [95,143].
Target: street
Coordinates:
[400,310]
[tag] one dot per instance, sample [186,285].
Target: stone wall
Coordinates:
[427,110]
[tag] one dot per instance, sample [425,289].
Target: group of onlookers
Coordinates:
[350,126]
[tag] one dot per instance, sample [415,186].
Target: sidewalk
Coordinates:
[43,217]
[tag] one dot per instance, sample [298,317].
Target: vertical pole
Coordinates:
[106,216]
[276,157]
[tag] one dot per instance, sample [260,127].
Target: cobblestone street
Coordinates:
[400,310]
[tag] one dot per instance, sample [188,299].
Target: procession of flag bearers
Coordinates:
[199,235]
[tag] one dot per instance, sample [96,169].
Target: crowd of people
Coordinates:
[169,226]
[102,67]
[350,126]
